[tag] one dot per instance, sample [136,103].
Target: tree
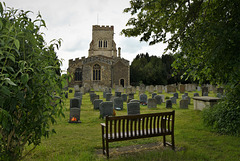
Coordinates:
[203,34]
[29,83]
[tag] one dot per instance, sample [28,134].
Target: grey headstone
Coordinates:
[184,104]
[143,99]
[124,97]
[163,97]
[135,100]
[188,98]
[174,100]
[152,103]
[106,109]
[133,108]
[168,104]
[78,94]
[108,96]
[195,95]
[158,99]
[70,91]
[104,94]
[118,103]
[204,91]
[131,96]
[154,94]
[95,97]
[96,103]
[75,103]
[74,112]
[118,94]
[175,95]
[92,95]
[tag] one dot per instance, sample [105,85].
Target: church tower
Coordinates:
[102,42]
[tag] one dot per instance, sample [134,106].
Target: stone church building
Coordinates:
[104,65]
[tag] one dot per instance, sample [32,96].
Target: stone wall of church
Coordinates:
[120,71]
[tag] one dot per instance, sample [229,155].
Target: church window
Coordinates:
[96,72]
[78,74]
[105,44]
[100,44]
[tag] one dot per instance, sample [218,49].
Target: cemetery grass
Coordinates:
[82,141]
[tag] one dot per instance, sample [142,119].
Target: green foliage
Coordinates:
[225,116]
[204,34]
[29,78]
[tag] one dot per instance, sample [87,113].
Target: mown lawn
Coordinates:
[82,142]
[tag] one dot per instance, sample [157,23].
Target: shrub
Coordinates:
[29,78]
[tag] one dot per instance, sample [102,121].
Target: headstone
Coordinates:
[198,88]
[108,96]
[70,91]
[182,88]
[159,88]
[184,104]
[75,103]
[131,95]
[133,108]
[170,89]
[78,94]
[143,99]
[175,95]
[95,97]
[106,109]
[204,91]
[96,103]
[66,95]
[174,100]
[118,103]
[152,103]
[168,104]
[92,95]
[158,99]
[195,95]
[104,94]
[188,98]
[118,94]
[134,100]
[151,89]
[163,97]
[76,88]
[154,94]
[124,97]
[74,115]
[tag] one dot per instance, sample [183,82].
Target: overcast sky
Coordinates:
[72,20]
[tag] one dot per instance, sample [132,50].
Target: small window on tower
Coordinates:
[105,44]
[100,44]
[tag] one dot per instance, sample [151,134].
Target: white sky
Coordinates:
[72,20]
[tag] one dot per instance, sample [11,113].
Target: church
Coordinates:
[104,65]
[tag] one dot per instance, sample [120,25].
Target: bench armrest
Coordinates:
[103,124]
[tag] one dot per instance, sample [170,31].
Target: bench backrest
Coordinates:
[142,125]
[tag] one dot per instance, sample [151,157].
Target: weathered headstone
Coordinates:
[92,95]
[174,100]
[118,103]
[170,89]
[163,97]
[182,88]
[106,109]
[133,108]
[188,98]
[159,88]
[135,100]
[154,94]
[158,99]
[124,97]
[152,103]
[168,104]
[104,94]
[175,95]
[76,88]
[74,115]
[143,99]
[95,97]
[204,91]
[75,103]
[184,104]
[70,90]
[118,94]
[96,103]
[78,94]
[131,96]
[108,96]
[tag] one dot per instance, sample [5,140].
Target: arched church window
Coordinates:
[78,74]
[105,44]
[100,44]
[96,72]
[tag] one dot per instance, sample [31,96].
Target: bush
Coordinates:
[29,78]
[225,116]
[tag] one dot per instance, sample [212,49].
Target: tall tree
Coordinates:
[206,34]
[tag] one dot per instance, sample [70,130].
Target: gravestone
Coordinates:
[66,95]
[198,88]
[154,94]
[151,89]
[152,103]
[184,104]
[131,96]
[124,97]
[75,102]
[158,99]
[143,99]
[195,95]
[134,100]
[159,88]
[70,91]
[104,94]
[175,95]
[133,108]
[118,94]
[96,103]
[174,100]
[74,115]
[182,88]
[78,94]
[76,88]
[95,97]
[118,103]
[204,91]
[170,89]
[92,95]
[108,96]
[163,98]
[168,104]
[106,109]
[188,98]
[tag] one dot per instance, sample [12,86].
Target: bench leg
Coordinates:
[103,141]
[164,140]
[107,149]
[173,142]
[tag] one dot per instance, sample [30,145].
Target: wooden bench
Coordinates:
[119,128]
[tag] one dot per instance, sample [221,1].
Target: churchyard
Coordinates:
[83,141]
